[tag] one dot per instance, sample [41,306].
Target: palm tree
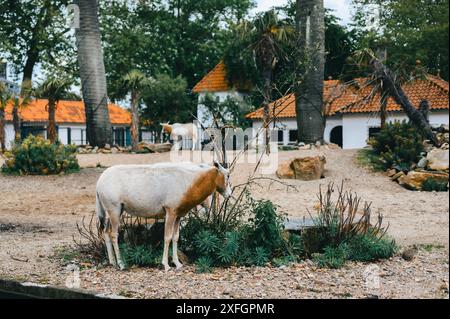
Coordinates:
[53,89]
[266,34]
[5,96]
[389,84]
[309,91]
[92,73]
[135,83]
[19,102]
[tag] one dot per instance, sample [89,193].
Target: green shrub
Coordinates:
[256,242]
[204,264]
[430,185]
[37,156]
[367,247]
[397,144]
[340,234]
[141,255]
[332,257]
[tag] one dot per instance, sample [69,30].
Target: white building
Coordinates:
[70,121]
[350,120]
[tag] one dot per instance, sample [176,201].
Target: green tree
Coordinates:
[166,37]
[92,74]
[263,40]
[53,89]
[33,32]
[135,83]
[409,30]
[165,99]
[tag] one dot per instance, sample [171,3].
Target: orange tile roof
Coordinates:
[342,98]
[216,81]
[66,112]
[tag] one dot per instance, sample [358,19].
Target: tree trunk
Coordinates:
[424,108]
[134,121]
[393,89]
[16,121]
[267,75]
[51,128]
[92,73]
[309,91]
[383,106]
[2,130]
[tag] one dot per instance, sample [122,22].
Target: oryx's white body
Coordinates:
[187,131]
[157,190]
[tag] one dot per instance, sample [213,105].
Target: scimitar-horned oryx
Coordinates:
[157,190]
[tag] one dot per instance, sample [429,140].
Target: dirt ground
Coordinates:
[38,214]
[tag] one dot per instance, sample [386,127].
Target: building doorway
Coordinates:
[336,135]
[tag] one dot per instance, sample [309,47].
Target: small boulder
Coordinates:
[415,179]
[305,147]
[444,128]
[427,145]
[107,146]
[285,171]
[438,160]
[333,146]
[391,172]
[104,151]
[306,168]
[396,176]
[442,137]
[422,163]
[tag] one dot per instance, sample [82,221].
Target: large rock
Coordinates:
[438,160]
[161,148]
[306,168]
[415,179]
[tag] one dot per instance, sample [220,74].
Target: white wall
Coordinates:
[9,135]
[285,124]
[356,126]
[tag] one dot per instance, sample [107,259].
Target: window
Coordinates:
[280,136]
[374,131]
[293,135]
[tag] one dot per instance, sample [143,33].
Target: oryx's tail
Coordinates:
[100,214]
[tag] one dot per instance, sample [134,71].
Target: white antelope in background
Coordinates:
[186,131]
[157,190]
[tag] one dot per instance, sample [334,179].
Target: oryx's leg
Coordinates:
[114,218]
[109,247]
[168,234]
[176,235]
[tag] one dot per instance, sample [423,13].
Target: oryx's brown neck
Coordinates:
[203,186]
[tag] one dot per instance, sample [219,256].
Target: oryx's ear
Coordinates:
[216,164]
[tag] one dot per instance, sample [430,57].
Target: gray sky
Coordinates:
[341,7]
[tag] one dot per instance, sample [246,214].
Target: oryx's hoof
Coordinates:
[166,268]
[179,265]
[121,266]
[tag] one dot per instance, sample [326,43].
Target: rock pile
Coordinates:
[143,147]
[432,166]
[305,147]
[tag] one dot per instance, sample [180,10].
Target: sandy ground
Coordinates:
[38,215]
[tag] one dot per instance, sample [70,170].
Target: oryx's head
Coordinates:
[166,128]
[223,183]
